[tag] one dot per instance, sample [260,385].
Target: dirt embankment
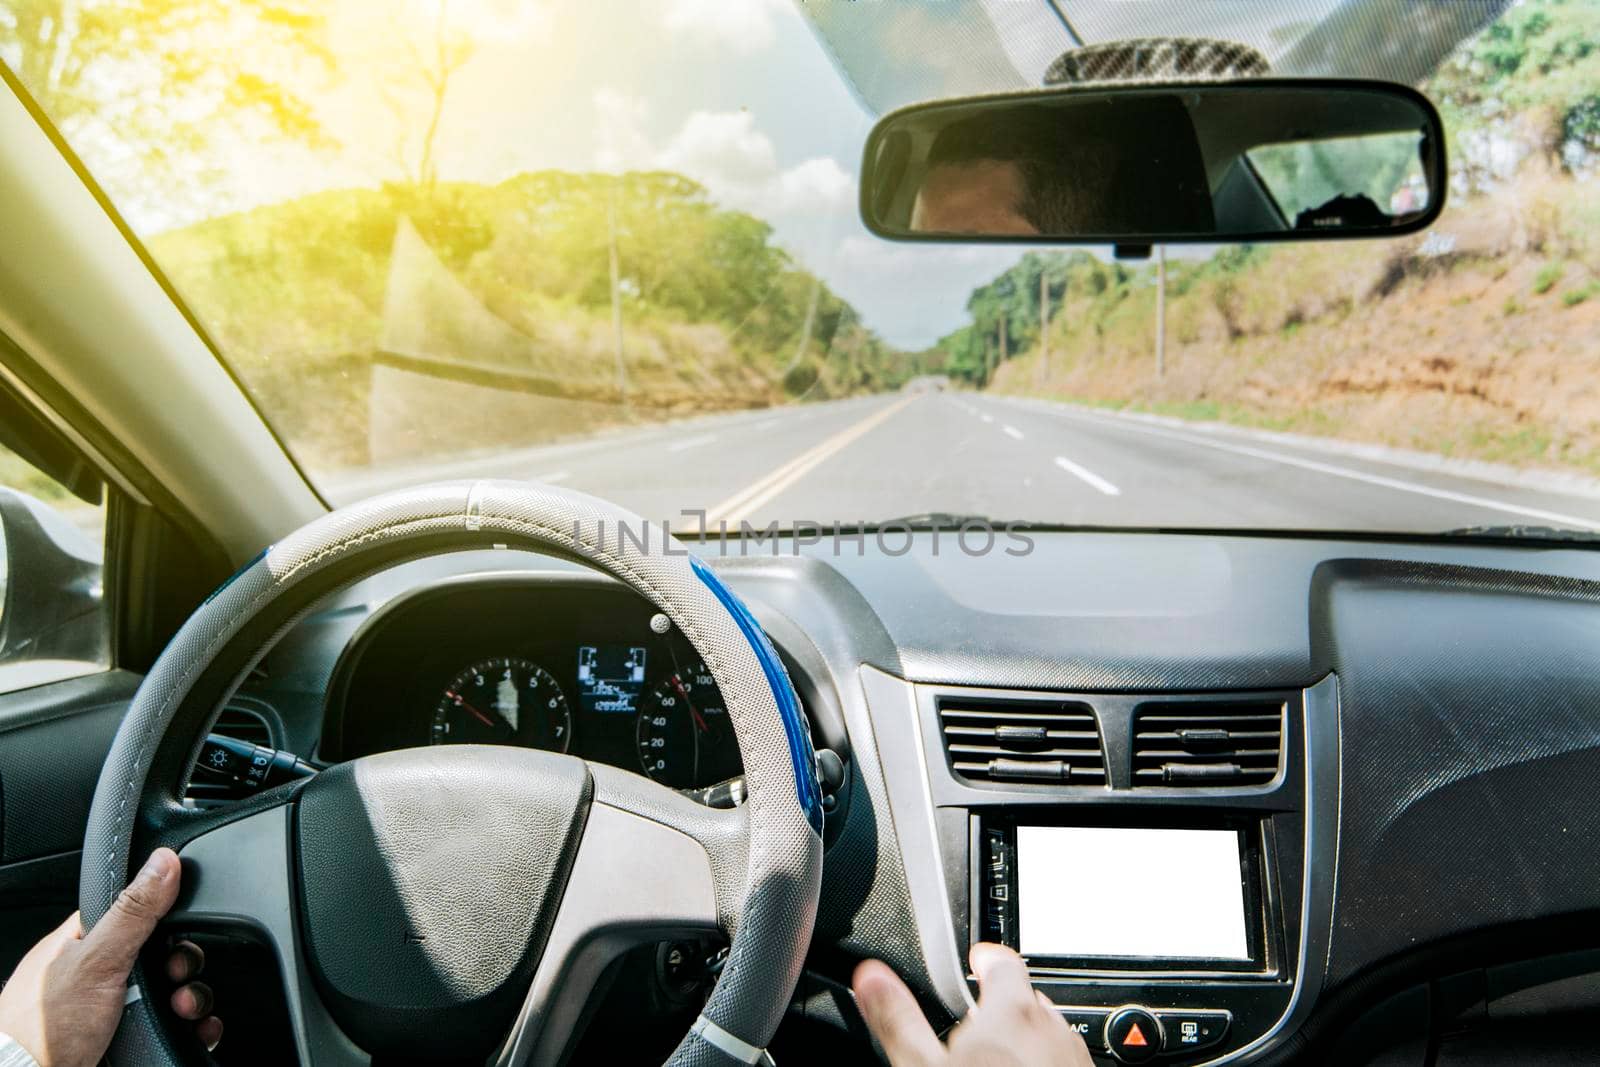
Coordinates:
[1480,339]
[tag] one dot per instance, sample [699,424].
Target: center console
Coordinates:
[1155,935]
[1148,855]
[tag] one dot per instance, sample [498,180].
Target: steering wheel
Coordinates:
[462,901]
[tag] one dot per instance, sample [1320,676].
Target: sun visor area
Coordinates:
[897,52]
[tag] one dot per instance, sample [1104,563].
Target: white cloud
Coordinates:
[743,25]
[620,139]
[724,151]
[725,146]
[818,182]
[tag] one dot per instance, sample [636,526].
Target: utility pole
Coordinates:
[1044,325]
[1161,311]
[1004,354]
[616,296]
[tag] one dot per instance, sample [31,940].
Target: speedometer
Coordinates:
[503,701]
[685,738]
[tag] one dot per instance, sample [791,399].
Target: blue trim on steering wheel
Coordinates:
[794,723]
[257,558]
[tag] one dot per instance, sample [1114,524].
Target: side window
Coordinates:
[53,614]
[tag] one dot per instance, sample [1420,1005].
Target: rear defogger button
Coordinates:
[1190,1031]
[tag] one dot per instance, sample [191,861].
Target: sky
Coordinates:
[737,94]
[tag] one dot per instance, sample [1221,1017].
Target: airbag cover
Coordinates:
[428,881]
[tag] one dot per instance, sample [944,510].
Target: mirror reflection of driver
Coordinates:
[1077,168]
[973,196]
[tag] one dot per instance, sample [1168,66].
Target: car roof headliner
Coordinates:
[897,52]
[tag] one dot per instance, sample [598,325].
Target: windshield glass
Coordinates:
[615,245]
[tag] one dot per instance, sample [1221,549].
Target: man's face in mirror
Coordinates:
[980,196]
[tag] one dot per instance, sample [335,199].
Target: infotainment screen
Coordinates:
[1130,892]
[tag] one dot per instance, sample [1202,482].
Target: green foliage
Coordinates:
[1007,309]
[1547,277]
[1580,131]
[299,295]
[1574,297]
[1306,174]
[169,76]
[1530,75]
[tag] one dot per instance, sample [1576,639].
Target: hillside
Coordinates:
[515,279]
[1477,339]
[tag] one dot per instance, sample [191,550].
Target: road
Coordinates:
[876,457]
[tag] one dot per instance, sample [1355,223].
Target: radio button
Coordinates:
[1188,1031]
[1133,1035]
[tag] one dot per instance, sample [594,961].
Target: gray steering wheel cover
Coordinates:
[784,862]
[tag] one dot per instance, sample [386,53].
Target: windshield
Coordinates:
[615,246]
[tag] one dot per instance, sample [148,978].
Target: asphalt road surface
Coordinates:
[873,458]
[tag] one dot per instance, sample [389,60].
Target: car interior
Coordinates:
[472,761]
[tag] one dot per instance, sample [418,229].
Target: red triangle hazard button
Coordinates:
[1134,1037]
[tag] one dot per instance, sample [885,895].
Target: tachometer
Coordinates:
[685,738]
[503,701]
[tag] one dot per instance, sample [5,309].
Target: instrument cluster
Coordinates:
[568,664]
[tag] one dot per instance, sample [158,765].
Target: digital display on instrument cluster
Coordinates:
[611,678]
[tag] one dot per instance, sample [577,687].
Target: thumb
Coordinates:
[115,941]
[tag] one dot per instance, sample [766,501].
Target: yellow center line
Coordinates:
[740,505]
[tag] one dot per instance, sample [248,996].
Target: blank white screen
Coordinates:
[1096,891]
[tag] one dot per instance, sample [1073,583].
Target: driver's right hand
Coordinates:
[1011,1024]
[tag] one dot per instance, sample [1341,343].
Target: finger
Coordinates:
[209,1031]
[894,1018]
[1057,1020]
[193,1001]
[1002,978]
[71,927]
[114,942]
[185,961]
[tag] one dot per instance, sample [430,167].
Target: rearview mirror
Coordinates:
[1250,160]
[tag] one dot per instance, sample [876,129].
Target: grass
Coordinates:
[1548,276]
[1574,297]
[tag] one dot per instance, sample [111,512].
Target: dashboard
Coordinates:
[573,665]
[1296,782]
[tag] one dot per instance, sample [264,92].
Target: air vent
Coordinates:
[1022,741]
[243,723]
[1204,744]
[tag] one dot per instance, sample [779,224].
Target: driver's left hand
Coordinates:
[63,1002]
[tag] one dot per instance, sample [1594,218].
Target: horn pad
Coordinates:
[428,881]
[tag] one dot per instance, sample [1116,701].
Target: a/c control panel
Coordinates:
[1136,1034]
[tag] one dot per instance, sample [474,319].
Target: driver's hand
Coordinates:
[65,999]
[1012,1024]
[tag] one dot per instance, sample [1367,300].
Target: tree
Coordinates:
[427,67]
[142,87]
[1529,78]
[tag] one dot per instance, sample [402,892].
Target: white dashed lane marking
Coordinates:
[1087,475]
[691,442]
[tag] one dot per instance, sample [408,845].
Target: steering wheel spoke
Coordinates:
[239,876]
[646,870]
